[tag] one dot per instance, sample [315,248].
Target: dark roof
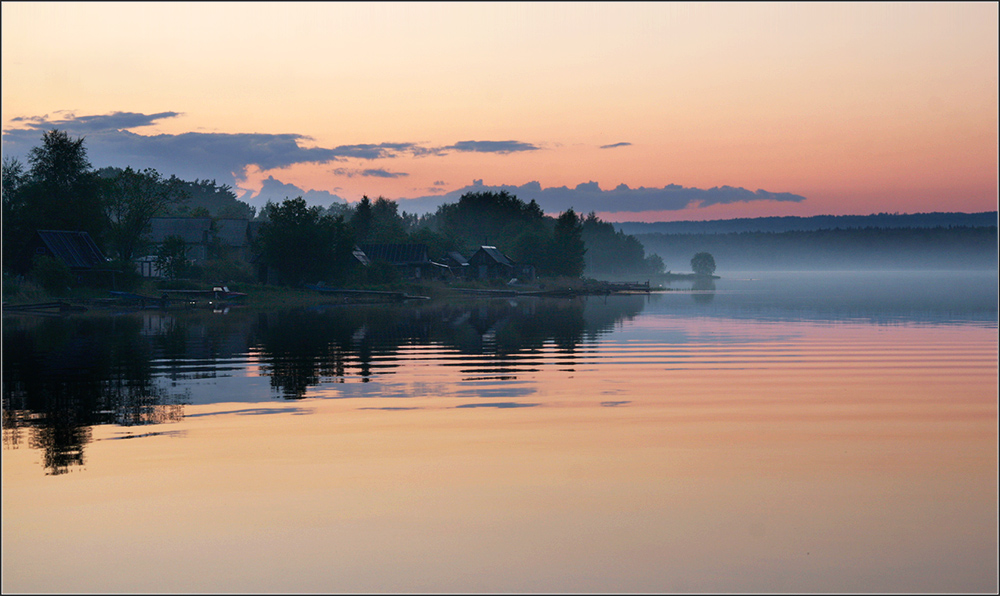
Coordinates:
[496,255]
[76,249]
[196,230]
[193,230]
[457,257]
[232,232]
[397,254]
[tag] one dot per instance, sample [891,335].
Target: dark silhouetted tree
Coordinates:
[171,257]
[567,253]
[131,200]
[59,192]
[361,221]
[303,244]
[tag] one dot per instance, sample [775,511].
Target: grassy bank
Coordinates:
[260,296]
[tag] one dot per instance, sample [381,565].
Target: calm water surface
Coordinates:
[771,432]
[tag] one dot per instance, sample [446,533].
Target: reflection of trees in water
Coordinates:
[704,288]
[63,376]
[299,349]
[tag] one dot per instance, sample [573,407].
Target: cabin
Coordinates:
[411,259]
[457,264]
[489,263]
[206,238]
[75,249]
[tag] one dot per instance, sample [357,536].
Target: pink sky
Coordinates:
[852,108]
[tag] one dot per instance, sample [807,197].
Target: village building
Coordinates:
[489,263]
[411,259]
[457,264]
[205,238]
[75,249]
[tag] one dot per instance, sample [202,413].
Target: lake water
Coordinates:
[810,432]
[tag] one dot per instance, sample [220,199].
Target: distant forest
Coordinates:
[818,222]
[886,248]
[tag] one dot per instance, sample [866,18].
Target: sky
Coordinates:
[635,111]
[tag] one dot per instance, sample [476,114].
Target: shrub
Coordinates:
[52,274]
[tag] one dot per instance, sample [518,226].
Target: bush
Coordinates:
[226,272]
[52,274]
[128,277]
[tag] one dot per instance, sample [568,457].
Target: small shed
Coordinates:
[456,263]
[77,250]
[489,263]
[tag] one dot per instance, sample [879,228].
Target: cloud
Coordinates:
[275,190]
[492,146]
[588,196]
[97,123]
[374,172]
[225,157]
[191,155]
[616,145]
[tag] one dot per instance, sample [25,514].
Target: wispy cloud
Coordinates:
[492,146]
[95,123]
[612,146]
[372,172]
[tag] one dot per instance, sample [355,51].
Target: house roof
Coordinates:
[493,253]
[196,230]
[76,249]
[232,232]
[457,257]
[192,230]
[397,254]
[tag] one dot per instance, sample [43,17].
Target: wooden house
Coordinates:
[205,238]
[410,259]
[457,264]
[489,263]
[75,249]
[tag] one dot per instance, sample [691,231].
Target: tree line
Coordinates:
[60,190]
[953,247]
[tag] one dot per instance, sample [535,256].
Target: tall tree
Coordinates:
[131,200]
[703,263]
[16,233]
[567,245]
[387,225]
[302,243]
[60,192]
[361,221]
